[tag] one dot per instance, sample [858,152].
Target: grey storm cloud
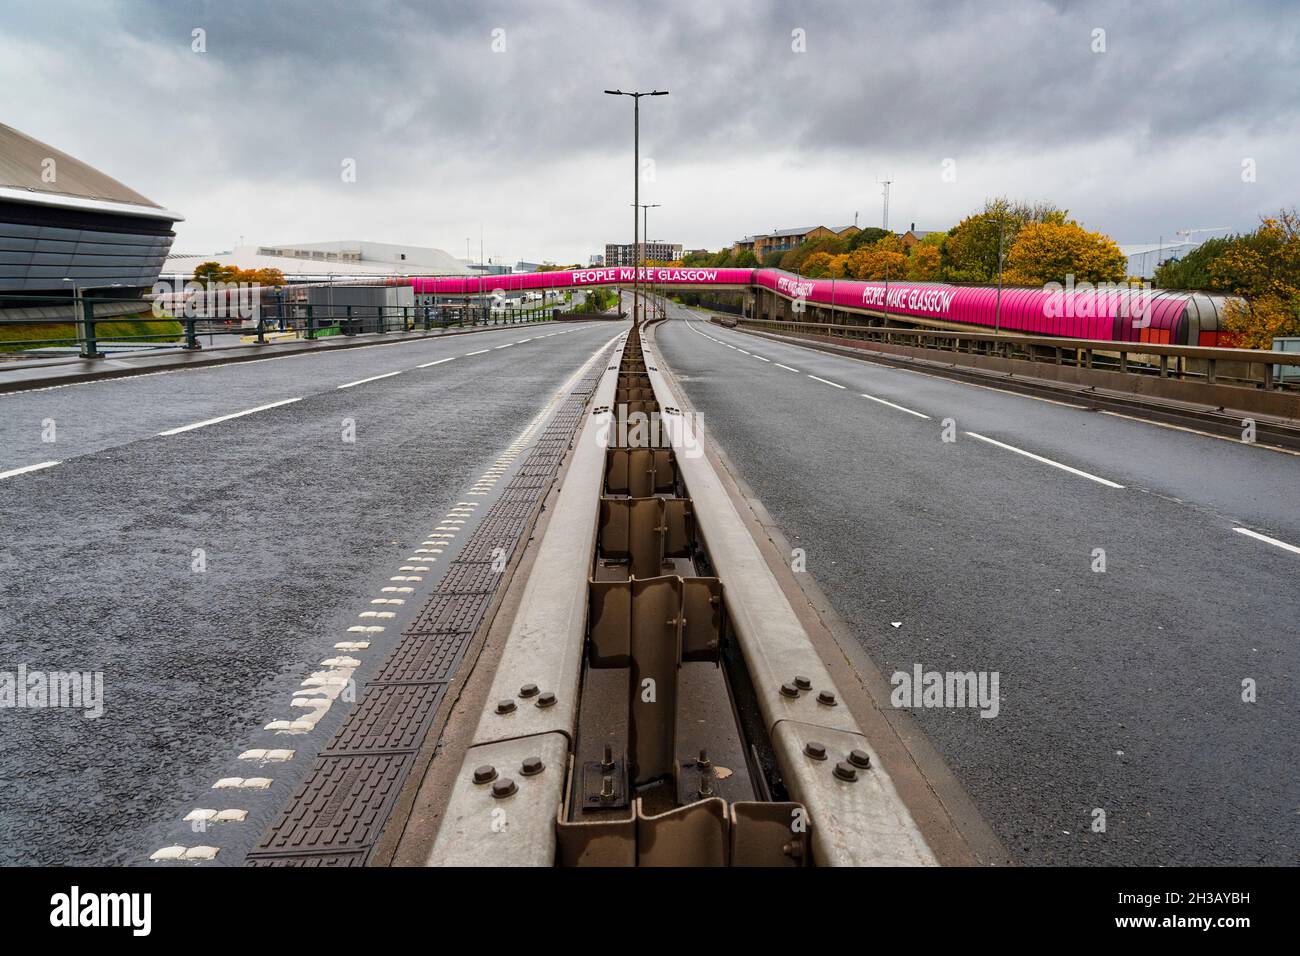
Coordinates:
[416,94]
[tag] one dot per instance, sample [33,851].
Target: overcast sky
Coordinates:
[251,136]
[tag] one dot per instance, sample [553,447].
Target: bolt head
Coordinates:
[789,690]
[843,770]
[546,698]
[860,758]
[528,690]
[503,788]
[815,750]
[506,706]
[826,697]
[485,774]
[803,683]
[532,766]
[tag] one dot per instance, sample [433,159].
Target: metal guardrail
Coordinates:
[304,320]
[1249,368]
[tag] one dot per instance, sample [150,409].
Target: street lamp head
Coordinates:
[659,93]
[614,92]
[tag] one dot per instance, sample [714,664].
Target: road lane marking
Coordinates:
[225,418]
[26,468]
[1267,540]
[373,378]
[1197,431]
[892,405]
[1047,461]
[786,367]
[439,362]
[761,359]
[479,352]
[506,346]
[825,381]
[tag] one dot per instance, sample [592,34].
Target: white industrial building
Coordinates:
[321,261]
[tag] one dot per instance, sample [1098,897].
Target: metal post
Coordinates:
[89,347]
[997,315]
[311,323]
[347,320]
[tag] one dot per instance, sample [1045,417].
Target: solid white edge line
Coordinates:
[825,381]
[26,468]
[892,405]
[1246,531]
[373,378]
[226,418]
[1047,461]
[439,362]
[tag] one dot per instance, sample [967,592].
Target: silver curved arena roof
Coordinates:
[22,162]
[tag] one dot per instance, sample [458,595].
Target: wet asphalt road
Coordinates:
[1121,691]
[299,527]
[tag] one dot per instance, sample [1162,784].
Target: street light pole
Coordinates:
[645,232]
[636,186]
[997,314]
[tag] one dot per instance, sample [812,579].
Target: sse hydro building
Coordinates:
[67,228]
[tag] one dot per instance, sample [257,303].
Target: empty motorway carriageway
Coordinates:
[685,593]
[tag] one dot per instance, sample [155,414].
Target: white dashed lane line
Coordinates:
[825,381]
[26,468]
[761,359]
[1046,461]
[479,352]
[439,362]
[1258,537]
[373,378]
[892,405]
[226,418]
[786,367]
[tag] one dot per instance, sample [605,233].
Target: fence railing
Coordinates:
[87,323]
[1248,368]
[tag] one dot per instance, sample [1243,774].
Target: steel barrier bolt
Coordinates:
[485,774]
[843,770]
[607,762]
[546,698]
[826,697]
[789,690]
[528,690]
[703,761]
[706,784]
[606,789]
[860,758]
[503,788]
[532,766]
[803,683]
[506,706]
[815,750]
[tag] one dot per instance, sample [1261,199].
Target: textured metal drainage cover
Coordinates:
[336,815]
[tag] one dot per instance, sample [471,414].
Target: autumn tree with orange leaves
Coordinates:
[1050,252]
[1264,267]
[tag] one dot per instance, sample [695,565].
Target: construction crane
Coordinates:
[1188,233]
